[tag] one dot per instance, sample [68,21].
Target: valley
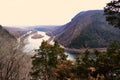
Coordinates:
[86,40]
[60,40]
[31,44]
[87,30]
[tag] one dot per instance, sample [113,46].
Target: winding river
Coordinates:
[33,43]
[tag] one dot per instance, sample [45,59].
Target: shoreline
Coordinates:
[82,50]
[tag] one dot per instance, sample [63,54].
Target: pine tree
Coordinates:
[102,65]
[112,13]
[45,60]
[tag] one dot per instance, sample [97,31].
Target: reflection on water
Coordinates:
[71,56]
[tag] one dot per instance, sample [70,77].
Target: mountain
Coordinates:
[7,40]
[17,32]
[88,29]
[44,28]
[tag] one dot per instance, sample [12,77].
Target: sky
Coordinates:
[44,12]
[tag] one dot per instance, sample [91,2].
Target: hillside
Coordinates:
[12,59]
[17,32]
[88,29]
[7,41]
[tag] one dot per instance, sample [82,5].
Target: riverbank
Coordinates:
[81,50]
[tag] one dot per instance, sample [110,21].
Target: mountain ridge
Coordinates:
[88,28]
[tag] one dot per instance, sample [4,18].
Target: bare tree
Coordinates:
[14,64]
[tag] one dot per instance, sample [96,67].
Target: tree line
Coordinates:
[50,63]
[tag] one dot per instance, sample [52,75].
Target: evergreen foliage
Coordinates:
[112,13]
[103,65]
[50,63]
[47,58]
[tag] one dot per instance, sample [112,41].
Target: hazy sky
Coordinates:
[44,12]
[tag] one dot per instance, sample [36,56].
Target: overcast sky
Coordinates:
[44,12]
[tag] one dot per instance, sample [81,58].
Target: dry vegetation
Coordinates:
[14,64]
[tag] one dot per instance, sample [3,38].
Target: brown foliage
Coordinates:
[64,71]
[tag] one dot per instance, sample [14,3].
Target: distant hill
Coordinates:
[87,29]
[17,32]
[44,28]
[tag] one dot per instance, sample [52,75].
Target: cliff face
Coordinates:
[88,29]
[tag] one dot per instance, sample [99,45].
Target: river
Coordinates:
[31,44]
[71,56]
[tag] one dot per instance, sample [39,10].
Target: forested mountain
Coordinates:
[88,29]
